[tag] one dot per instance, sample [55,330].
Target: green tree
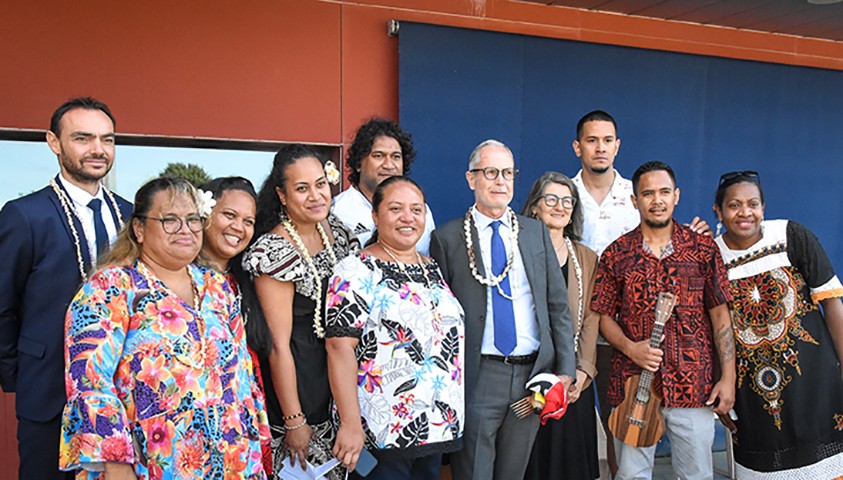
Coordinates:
[188,171]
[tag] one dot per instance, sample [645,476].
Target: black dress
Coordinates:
[566,449]
[275,256]
[789,398]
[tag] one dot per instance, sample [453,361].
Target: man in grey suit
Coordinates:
[503,269]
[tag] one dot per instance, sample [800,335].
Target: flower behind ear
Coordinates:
[331,173]
[205,201]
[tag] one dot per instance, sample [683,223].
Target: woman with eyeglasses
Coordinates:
[567,448]
[158,376]
[789,402]
[298,243]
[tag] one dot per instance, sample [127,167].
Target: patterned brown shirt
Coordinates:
[629,280]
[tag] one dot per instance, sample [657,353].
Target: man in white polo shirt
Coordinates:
[381,149]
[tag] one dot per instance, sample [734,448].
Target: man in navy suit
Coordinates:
[49,241]
[503,269]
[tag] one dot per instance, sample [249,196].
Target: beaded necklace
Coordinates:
[495,281]
[315,277]
[432,305]
[70,213]
[578,272]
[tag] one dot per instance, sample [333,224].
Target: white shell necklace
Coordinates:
[318,329]
[495,281]
[70,213]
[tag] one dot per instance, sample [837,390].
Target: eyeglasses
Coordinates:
[552,200]
[491,173]
[172,224]
[750,175]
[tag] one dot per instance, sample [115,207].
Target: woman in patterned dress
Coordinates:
[298,244]
[158,374]
[395,336]
[229,228]
[567,448]
[789,401]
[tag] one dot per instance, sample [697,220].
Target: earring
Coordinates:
[719,227]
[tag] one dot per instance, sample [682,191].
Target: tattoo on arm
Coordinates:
[725,341]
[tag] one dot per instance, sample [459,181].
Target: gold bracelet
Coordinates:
[291,417]
[293,427]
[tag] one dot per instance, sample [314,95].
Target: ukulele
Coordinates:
[638,420]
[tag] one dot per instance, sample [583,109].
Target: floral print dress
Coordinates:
[410,362]
[157,384]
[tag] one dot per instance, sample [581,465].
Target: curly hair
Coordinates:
[365,138]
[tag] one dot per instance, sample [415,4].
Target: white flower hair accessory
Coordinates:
[205,201]
[331,173]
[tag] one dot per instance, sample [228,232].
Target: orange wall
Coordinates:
[286,70]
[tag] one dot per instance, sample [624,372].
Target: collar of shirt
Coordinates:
[620,188]
[79,196]
[482,221]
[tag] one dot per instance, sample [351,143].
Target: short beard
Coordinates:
[79,173]
[653,224]
[600,170]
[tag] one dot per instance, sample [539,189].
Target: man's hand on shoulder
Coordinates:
[701,227]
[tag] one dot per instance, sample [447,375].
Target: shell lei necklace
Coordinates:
[70,213]
[427,283]
[197,304]
[572,255]
[317,280]
[496,280]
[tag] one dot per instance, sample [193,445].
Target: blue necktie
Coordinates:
[99,226]
[505,338]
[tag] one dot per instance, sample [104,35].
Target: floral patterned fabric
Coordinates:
[411,332]
[152,382]
[789,399]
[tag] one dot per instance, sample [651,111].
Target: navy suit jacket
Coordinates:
[547,284]
[38,279]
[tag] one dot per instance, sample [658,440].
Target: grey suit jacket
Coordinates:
[547,284]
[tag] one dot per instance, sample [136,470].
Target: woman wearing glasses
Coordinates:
[157,369]
[567,448]
[789,401]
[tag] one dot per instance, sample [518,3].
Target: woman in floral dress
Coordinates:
[395,338]
[158,375]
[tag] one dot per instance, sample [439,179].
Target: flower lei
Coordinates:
[70,213]
[578,271]
[317,279]
[495,281]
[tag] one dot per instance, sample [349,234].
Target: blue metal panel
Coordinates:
[702,115]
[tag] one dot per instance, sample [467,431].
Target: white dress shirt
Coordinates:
[355,211]
[80,199]
[606,222]
[526,325]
